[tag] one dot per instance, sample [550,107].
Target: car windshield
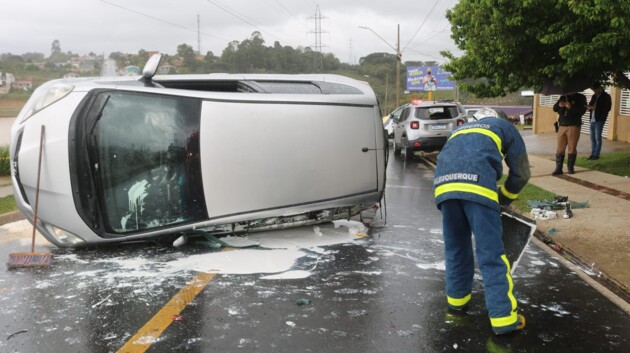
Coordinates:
[147,158]
[436,112]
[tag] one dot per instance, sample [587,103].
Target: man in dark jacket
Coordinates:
[468,169]
[599,107]
[570,109]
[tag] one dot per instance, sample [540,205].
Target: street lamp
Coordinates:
[398,58]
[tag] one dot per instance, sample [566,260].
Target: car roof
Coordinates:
[432,104]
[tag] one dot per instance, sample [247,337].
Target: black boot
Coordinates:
[559,162]
[571,163]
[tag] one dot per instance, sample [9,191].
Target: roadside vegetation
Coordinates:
[7,204]
[5,162]
[529,192]
[612,163]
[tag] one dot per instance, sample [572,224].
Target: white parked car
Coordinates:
[425,126]
[388,120]
[127,159]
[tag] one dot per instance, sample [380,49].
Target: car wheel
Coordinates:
[397,149]
[409,154]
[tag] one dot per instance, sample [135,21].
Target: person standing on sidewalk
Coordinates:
[570,109]
[465,185]
[599,106]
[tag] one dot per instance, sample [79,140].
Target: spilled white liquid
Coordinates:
[275,255]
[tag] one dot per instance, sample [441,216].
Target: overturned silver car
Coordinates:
[127,159]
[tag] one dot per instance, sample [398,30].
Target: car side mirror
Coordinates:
[150,69]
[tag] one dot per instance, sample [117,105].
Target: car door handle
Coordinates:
[365,149]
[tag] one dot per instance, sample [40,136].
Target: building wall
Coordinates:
[623,130]
[544,117]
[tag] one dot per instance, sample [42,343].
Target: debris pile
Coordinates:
[545,209]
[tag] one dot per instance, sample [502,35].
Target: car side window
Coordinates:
[404,115]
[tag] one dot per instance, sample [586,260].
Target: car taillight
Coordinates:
[460,122]
[415,125]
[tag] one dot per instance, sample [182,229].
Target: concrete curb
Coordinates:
[604,289]
[11,217]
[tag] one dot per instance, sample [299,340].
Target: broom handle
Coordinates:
[39,169]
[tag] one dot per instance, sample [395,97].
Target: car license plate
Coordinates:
[438,127]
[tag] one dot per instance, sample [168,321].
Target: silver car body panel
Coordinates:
[263,155]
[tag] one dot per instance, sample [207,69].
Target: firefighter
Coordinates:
[466,192]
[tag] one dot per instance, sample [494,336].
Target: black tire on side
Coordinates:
[397,149]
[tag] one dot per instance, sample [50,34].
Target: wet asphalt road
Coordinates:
[380,294]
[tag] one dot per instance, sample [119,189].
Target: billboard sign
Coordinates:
[428,78]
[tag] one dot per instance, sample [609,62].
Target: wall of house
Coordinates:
[623,128]
[544,117]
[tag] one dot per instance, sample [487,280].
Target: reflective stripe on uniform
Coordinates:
[466,187]
[504,321]
[492,135]
[513,317]
[458,302]
[508,194]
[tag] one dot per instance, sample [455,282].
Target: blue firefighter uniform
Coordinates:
[468,169]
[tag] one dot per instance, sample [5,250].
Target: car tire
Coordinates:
[397,149]
[409,154]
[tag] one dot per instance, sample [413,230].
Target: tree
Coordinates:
[510,44]
[33,57]
[252,51]
[10,62]
[120,58]
[229,56]
[56,55]
[187,54]
[378,58]
[55,48]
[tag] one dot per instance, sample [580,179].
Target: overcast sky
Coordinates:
[104,26]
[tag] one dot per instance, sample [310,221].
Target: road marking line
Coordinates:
[151,331]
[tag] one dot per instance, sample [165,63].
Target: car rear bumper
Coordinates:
[426,144]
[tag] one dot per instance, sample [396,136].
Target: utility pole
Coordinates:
[398,60]
[198,36]
[318,61]
[350,57]
[387,109]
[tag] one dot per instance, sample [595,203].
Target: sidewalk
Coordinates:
[6,188]
[598,236]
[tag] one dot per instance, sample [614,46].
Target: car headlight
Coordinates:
[64,237]
[43,97]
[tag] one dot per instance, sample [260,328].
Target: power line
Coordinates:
[447,26]
[290,13]
[241,17]
[422,24]
[429,38]
[425,54]
[161,20]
